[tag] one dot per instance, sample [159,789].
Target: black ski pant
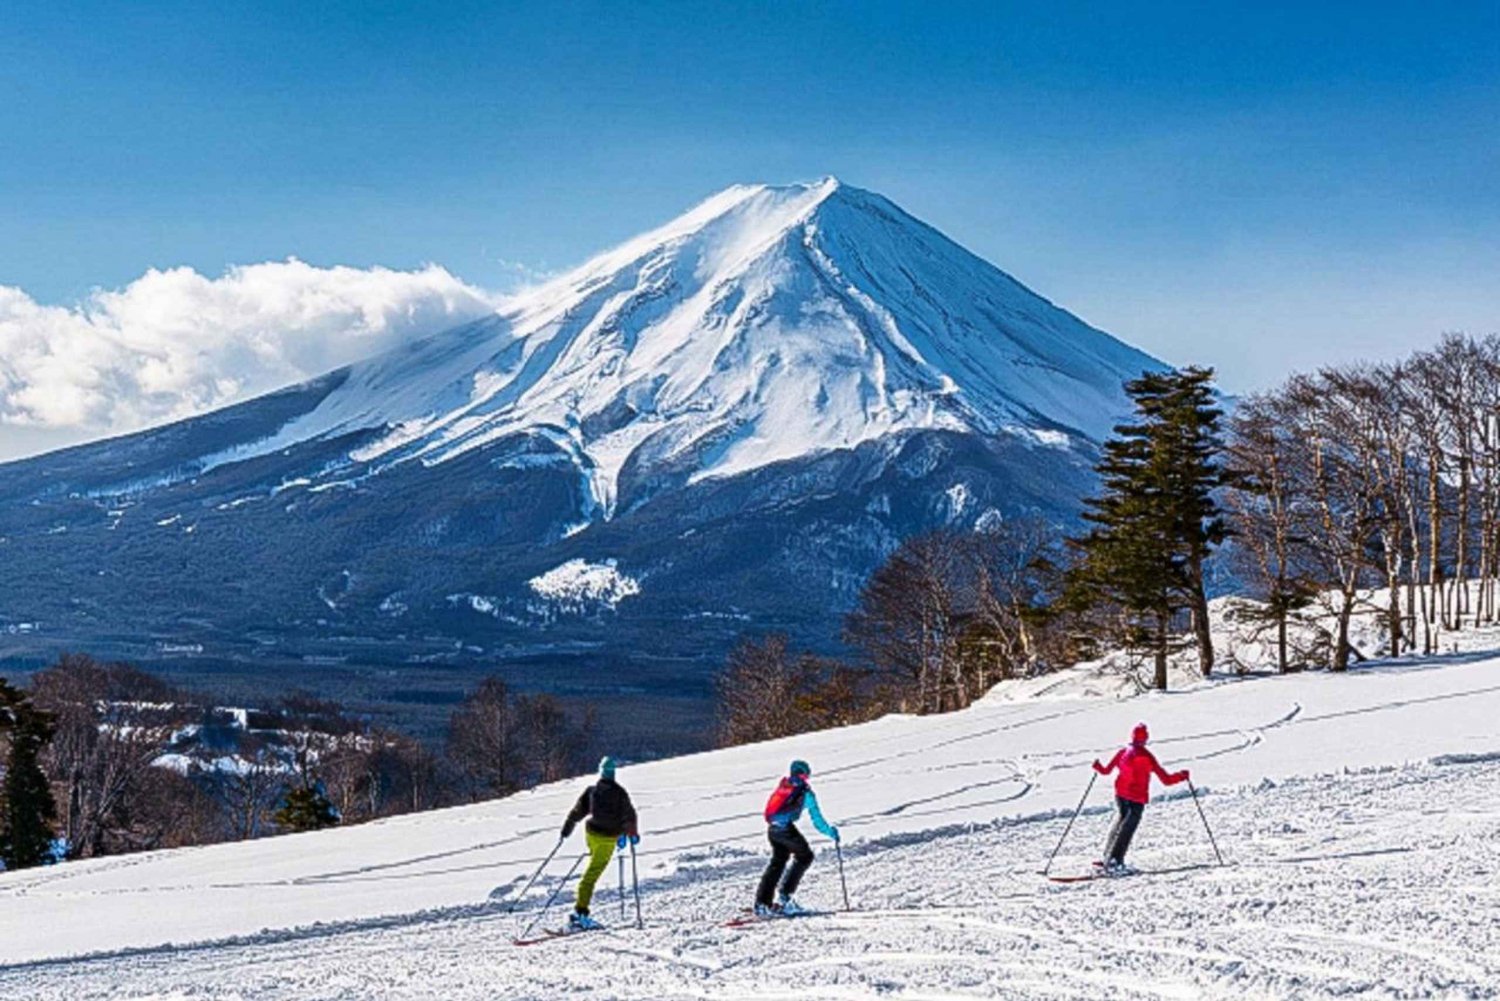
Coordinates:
[786,842]
[1123,830]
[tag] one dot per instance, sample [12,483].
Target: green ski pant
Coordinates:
[601,850]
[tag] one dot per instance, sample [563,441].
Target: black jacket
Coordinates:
[608,807]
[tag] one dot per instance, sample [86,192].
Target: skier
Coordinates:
[783,810]
[1132,791]
[611,825]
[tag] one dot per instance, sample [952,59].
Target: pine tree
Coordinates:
[28,809]
[306,809]
[1156,519]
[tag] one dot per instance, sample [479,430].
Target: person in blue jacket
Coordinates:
[783,810]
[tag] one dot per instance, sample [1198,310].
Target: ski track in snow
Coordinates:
[1360,817]
[1360,901]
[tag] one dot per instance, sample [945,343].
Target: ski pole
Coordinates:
[621,857]
[838,851]
[1204,818]
[548,905]
[1046,868]
[636,885]
[534,877]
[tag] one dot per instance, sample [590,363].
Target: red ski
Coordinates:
[748,917]
[552,934]
[545,936]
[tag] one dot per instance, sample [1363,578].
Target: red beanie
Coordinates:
[1140,734]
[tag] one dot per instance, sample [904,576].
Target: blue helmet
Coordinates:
[800,767]
[606,767]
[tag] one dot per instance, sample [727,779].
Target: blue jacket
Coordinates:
[799,795]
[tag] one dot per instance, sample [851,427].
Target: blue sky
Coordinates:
[1260,186]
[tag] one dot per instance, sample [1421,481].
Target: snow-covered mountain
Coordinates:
[718,427]
[765,325]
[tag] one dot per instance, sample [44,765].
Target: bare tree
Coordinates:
[1018,565]
[248,788]
[172,810]
[344,770]
[1426,512]
[1343,519]
[1389,450]
[907,621]
[1460,368]
[1382,474]
[556,744]
[758,692]
[402,776]
[1265,459]
[949,614]
[112,724]
[484,739]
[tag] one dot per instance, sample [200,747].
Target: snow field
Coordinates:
[1377,884]
[1361,815]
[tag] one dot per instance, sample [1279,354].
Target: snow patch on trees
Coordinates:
[958,500]
[989,521]
[579,586]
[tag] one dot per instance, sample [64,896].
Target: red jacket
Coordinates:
[1136,766]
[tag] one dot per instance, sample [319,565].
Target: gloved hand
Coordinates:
[1183,775]
[622,841]
[567,830]
[635,839]
[833,832]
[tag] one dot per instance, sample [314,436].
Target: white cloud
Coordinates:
[176,343]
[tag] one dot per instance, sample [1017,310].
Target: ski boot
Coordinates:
[580,921]
[790,908]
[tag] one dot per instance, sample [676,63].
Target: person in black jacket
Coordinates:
[611,823]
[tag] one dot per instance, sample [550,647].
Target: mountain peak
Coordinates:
[764,324]
[735,221]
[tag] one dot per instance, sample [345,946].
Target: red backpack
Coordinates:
[785,797]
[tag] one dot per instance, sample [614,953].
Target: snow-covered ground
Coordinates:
[1245,644]
[1359,815]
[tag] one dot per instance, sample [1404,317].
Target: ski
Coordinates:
[1101,874]
[547,935]
[747,917]
[552,934]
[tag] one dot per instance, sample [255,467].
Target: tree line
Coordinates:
[1384,477]
[104,759]
[1315,500]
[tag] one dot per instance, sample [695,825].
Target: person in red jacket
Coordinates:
[1132,791]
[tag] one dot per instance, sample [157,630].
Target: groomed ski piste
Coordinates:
[1358,815]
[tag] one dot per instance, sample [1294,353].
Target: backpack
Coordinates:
[785,798]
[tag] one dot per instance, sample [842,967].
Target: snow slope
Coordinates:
[766,324]
[1360,816]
